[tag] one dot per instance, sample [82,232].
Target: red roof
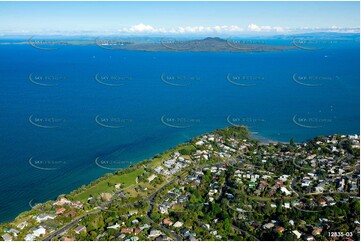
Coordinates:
[280,229]
[126,230]
[167,221]
[72,213]
[60,210]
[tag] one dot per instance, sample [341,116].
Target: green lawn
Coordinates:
[127,179]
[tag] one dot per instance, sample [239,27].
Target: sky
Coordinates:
[177,17]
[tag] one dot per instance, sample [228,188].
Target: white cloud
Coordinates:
[141,28]
[267,28]
[279,29]
[254,28]
[229,29]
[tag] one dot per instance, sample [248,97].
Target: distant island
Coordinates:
[223,185]
[209,44]
[206,45]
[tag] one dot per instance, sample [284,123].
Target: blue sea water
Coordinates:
[50,139]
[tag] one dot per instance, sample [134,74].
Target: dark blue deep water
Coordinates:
[50,102]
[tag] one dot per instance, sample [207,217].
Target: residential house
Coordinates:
[40,231]
[322,202]
[145,226]
[7,237]
[115,226]
[178,224]
[134,238]
[79,229]
[162,238]
[297,233]
[22,225]
[308,238]
[71,213]
[60,211]
[126,230]
[132,212]
[44,217]
[285,191]
[154,233]
[14,232]
[135,221]
[62,201]
[77,204]
[316,231]
[268,226]
[29,237]
[167,221]
[279,229]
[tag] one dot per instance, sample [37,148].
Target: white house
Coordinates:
[285,191]
[29,237]
[115,226]
[44,217]
[297,233]
[178,224]
[22,225]
[7,237]
[283,178]
[39,231]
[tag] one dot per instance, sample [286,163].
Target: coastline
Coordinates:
[266,141]
[262,140]
[130,186]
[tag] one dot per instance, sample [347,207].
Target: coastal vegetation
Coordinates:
[223,185]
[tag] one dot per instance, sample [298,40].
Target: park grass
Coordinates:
[126,179]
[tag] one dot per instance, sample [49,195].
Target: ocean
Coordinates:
[70,115]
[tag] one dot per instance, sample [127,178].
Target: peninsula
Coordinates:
[223,185]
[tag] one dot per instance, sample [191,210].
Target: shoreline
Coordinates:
[266,141]
[261,139]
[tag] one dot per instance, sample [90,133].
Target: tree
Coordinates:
[227,225]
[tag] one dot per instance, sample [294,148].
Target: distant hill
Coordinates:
[209,44]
